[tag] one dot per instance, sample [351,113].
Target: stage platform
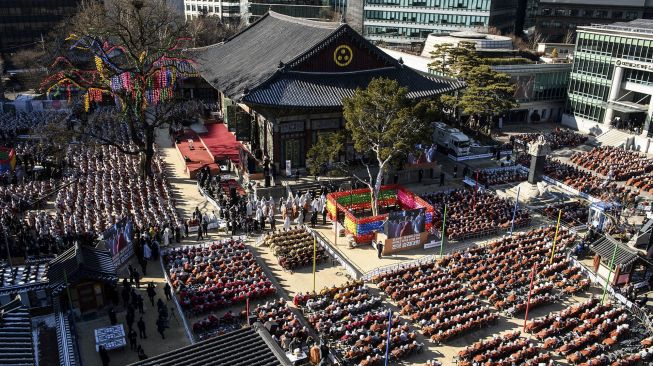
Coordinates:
[220,143]
[199,156]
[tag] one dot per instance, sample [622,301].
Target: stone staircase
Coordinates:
[613,137]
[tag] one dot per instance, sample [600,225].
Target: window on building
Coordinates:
[617,14]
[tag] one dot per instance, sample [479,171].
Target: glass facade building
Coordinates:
[612,74]
[404,21]
[556,18]
[23,23]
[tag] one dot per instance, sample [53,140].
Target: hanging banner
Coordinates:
[118,240]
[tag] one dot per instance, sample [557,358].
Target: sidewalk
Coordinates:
[153,345]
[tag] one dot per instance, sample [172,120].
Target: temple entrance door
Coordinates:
[293,151]
[86,297]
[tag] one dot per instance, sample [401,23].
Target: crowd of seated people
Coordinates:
[110,185]
[214,276]
[19,123]
[498,177]
[285,327]
[614,162]
[558,138]
[573,213]
[436,300]
[503,274]
[294,248]
[471,214]
[583,181]
[642,182]
[586,333]
[213,325]
[507,350]
[356,324]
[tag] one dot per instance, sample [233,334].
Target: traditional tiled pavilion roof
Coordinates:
[16,344]
[281,61]
[81,262]
[245,347]
[604,247]
[29,276]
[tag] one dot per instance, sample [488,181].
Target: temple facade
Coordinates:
[281,82]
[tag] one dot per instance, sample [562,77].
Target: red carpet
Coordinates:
[221,143]
[199,157]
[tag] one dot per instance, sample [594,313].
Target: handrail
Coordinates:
[339,257]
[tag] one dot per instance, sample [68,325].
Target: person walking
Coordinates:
[139,302]
[143,264]
[200,236]
[141,355]
[104,356]
[112,317]
[137,278]
[151,292]
[167,291]
[130,271]
[141,328]
[205,225]
[160,327]
[379,249]
[130,317]
[131,335]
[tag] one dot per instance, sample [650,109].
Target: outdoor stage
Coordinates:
[217,144]
[199,156]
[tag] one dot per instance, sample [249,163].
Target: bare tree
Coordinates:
[535,39]
[570,36]
[210,29]
[128,52]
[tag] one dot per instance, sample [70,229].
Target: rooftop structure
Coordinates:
[482,41]
[245,347]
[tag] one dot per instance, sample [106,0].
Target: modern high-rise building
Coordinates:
[611,79]
[225,9]
[406,21]
[24,24]
[251,10]
[557,18]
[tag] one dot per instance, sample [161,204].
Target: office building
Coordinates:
[557,19]
[612,77]
[224,9]
[24,24]
[406,21]
[251,10]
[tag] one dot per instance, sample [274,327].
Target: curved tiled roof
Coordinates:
[297,89]
[253,55]
[259,65]
[245,347]
[81,262]
[624,256]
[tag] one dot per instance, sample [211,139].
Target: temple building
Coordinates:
[281,82]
